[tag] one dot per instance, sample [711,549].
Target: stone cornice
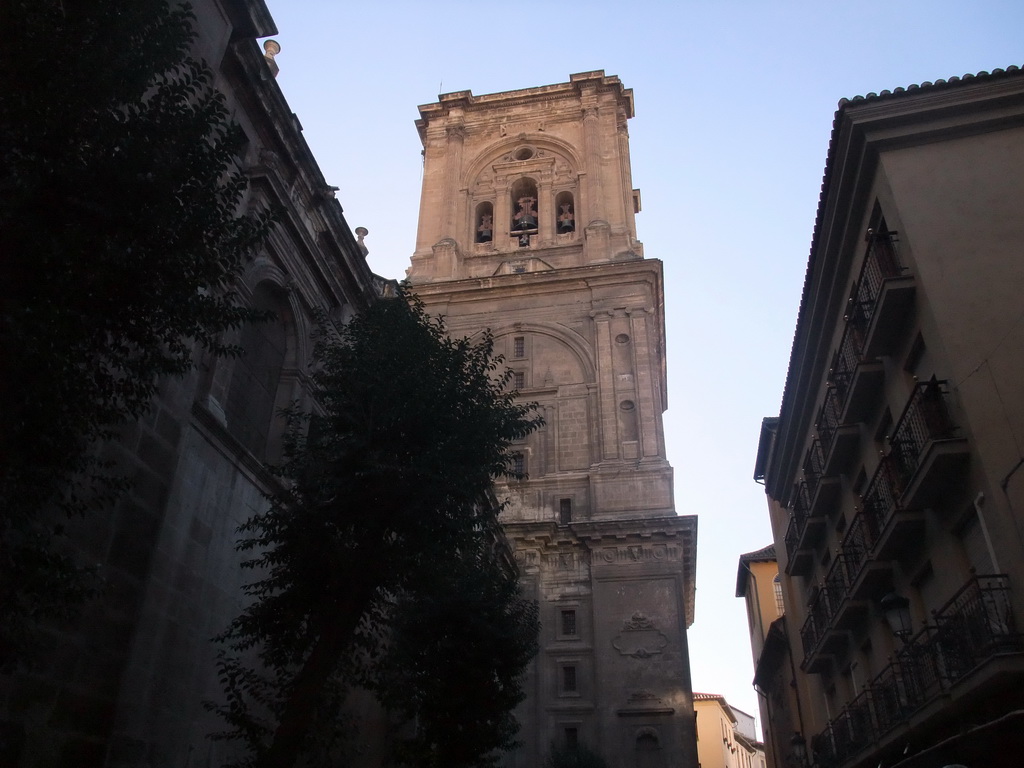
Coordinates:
[464,102]
[619,538]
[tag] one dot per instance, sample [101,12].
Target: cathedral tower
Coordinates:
[527,227]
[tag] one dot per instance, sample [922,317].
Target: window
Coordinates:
[565,214]
[646,741]
[565,511]
[524,210]
[780,606]
[569,622]
[524,206]
[917,350]
[518,464]
[253,396]
[572,738]
[484,223]
[569,679]
[519,346]
[519,379]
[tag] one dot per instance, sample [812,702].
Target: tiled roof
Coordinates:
[928,85]
[708,697]
[764,555]
[761,555]
[910,90]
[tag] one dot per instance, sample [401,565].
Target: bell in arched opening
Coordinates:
[484,223]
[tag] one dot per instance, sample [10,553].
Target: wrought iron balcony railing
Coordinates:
[974,626]
[926,418]
[814,466]
[849,355]
[860,539]
[881,263]
[879,501]
[829,418]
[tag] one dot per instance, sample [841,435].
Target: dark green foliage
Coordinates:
[460,640]
[579,756]
[120,240]
[384,505]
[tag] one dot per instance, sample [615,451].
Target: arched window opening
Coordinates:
[252,397]
[524,209]
[646,742]
[648,750]
[484,222]
[565,213]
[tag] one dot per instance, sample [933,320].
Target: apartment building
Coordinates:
[726,736]
[893,471]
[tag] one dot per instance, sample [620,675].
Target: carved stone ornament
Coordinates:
[638,622]
[639,638]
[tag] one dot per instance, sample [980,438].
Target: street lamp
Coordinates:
[897,613]
[799,748]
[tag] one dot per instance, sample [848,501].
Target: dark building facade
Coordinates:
[123,684]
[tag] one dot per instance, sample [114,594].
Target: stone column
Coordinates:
[608,417]
[592,159]
[456,135]
[545,210]
[502,213]
[625,175]
[647,400]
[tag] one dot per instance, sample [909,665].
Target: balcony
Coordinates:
[814,465]
[818,635]
[891,525]
[838,439]
[856,376]
[805,531]
[927,454]
[834,610]
[885,294]
[973,629]
[798,561]
[862,569]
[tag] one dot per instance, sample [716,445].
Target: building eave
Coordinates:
[763,555]
[861,127]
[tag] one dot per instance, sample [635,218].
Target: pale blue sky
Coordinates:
[734,108]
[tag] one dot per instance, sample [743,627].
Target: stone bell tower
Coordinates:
[527,227]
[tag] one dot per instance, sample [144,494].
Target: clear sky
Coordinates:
[734,108]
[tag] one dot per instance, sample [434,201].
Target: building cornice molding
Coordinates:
[862,129]
[543,97]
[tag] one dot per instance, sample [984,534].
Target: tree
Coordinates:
[459,641]
[120,239]
[385,489]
